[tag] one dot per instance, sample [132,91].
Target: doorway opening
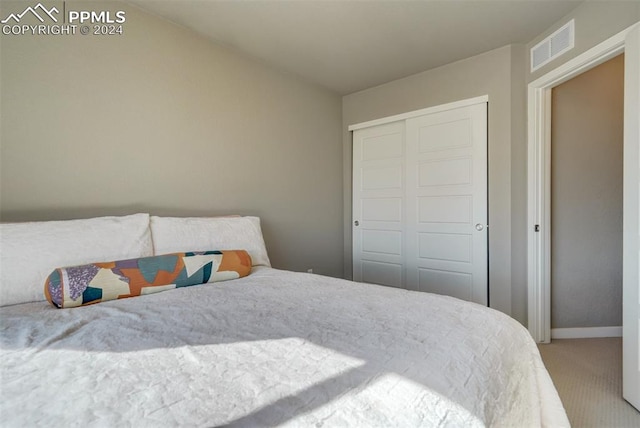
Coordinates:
[539,216]
[587,123]
[539,173]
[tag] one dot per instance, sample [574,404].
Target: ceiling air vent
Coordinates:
[553,46]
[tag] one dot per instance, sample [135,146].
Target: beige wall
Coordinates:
[518,184]
[161,120]
[586,198]
[486,74]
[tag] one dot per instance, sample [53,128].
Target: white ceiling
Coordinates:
[348,45]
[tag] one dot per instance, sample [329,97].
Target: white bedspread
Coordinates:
[273,349]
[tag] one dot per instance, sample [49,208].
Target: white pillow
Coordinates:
[29,252]
[178,234]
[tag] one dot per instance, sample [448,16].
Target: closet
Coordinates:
[420,200]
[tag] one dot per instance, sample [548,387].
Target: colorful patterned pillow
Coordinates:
[97,282]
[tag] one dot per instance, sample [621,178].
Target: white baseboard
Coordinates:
[585,332]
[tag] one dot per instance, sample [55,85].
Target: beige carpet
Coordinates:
[588,376]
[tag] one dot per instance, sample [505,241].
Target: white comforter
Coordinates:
[274,348]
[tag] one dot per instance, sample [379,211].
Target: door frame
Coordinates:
[539,177]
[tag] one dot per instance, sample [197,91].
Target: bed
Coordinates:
[274,348]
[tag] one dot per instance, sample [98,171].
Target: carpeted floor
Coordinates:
[588,376]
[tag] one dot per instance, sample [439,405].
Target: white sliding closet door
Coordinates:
[446,203]
[378,194]
[420,201]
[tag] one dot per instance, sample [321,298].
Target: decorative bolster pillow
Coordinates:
[98,282]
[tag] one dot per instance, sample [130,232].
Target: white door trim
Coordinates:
[421,112]
[631,224]
[539,174]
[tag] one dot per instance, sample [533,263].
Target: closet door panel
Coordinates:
[446,203]
[378,205]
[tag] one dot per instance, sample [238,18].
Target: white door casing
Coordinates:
[447,203]
[631,223]
[420,200]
